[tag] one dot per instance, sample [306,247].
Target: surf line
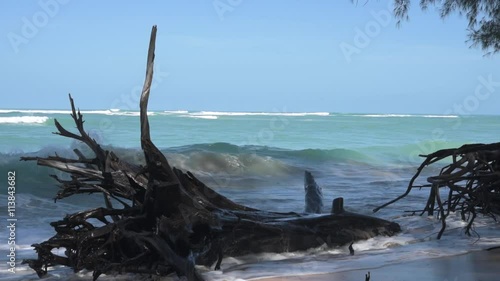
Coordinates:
[11,220]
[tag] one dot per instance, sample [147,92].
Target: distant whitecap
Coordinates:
[175,112]
[24,120]
[203,116]
[238,113]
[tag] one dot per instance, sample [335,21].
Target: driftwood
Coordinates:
[167,220]
[472,179]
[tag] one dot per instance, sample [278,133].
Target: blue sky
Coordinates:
[242,55]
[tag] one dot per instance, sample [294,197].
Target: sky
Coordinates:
[242,55]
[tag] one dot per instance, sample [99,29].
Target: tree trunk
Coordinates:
[169,220]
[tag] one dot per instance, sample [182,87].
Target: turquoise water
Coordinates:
[391,137]
[258,159]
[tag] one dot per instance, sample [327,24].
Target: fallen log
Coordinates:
[169,220]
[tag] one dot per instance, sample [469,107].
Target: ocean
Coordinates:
[257,159]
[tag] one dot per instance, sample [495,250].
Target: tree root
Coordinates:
[473,180]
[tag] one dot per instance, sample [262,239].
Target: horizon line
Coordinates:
[218,112]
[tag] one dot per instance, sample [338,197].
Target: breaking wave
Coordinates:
[24,120]
[214,159]
[405,115]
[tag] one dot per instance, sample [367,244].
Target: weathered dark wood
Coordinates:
[473,180]
[338,206]
[170,220]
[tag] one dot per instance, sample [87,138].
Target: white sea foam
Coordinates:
[384,115]
[24,120]
[115,111]
[35,111]
[404,115]
[416,242]
[50,111]
[112,111]
[175,112]
[212,117]
[440,116]
[236,113]
[126,113]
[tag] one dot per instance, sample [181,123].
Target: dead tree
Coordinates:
[472,179]
[167,220]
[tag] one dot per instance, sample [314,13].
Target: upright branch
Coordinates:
[156,162]
[145,135]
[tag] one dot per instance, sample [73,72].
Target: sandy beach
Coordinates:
[480,265]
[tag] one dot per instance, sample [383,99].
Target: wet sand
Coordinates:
[480,265]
